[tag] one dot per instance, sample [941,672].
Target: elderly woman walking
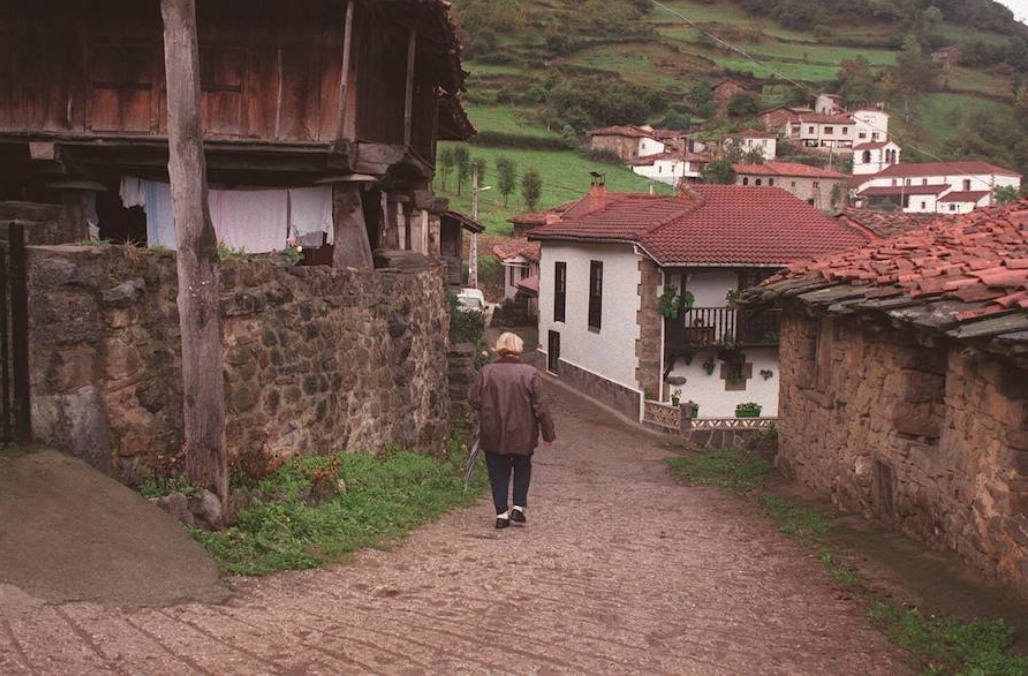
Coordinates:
[512,408]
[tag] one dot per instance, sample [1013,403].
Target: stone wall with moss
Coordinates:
[929,437]
[316,359]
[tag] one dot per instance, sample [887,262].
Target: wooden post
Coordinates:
[352,248]
[408,109]
[424,232]
[401,226]
[203,405]
[344,80]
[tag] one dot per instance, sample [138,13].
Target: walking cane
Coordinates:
[472,457]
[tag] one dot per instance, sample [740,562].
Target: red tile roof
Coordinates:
[518,247]
[977,263]
[647,160]
[912,169]
[633,131]
[786,169]
[529,285]
[871,146]
[965,196]
[899,190]
[887,223]
[753,133]
[818,118]
[710,225]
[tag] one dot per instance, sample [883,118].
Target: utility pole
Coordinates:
[473,254]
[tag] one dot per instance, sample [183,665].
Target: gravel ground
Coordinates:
[619,571]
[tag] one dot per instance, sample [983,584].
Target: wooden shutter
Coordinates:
[595,294]
[560,291]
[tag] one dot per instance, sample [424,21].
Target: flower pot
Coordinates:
[747,414]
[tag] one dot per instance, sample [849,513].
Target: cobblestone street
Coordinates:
[620,570]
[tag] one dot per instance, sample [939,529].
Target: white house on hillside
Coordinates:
[936,187]
[630,142]
[635,293]
[873,158]
[872,125]
[751,139]
[815,130]
[670,168]
[829,104]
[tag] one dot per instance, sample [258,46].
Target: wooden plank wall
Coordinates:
[270,68]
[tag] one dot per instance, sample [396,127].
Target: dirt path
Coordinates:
[619,571]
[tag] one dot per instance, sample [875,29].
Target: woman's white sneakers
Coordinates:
[502,520]
[517,515]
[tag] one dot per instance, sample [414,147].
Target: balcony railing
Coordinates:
[723,326]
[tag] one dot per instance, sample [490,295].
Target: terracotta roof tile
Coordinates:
[786,169]
[909,169]
[964,196]
[518,247]
[710,225]
[899,190]
[977,257]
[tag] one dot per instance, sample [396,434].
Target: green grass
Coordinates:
[507,120]
[565,177]
[158,487]
[735,470]
[941,644]
[385,498]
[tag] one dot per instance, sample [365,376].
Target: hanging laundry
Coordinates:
[310,214]
[252,220]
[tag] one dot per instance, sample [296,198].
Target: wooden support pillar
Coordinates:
[344,81]
[352,248]
[423,234]
[199,307]
[401,227]
[408,109]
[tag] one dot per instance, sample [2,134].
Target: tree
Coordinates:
[913,74]
[506,177]
[753,156]
[446,164]
[857,83]
[743,103]
[718,171]
[462,160]
[531,188]
[1006,194]
[199,296]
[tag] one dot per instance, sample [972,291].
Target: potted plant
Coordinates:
[750,409]
[671,302]
[708,366]
[676,398]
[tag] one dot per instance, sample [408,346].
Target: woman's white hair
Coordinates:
[509,344]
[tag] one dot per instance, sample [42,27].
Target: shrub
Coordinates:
[465,327]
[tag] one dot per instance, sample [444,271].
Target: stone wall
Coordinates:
[316,359]
[607,392]
[931,439]
[650,342]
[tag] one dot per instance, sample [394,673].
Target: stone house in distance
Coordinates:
[822,189]
[905,383]
[606,265]
[956,187]
[630,142]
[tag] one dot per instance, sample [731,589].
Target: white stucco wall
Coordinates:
[710,287]
[873,124]
[668,171]
[611,351]
[522,269]
[709,390]
[648,146]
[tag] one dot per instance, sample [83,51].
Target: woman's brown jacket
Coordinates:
[512,407]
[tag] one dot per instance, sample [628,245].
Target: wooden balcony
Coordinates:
[722,327]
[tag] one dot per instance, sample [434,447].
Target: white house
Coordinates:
[617,272]
[815,130]
[751,139]
[670,168]
[873,158]
[630,142]
[520,261]
[872,125]
[936,187]
[829,104]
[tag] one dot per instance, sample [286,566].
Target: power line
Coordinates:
[801,85]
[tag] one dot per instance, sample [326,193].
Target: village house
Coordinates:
[822,189]
[871,125]
[320,121]
[671,168]
[520,261]
[935,187]
[636,294]
[630,142]
[885,224]
[829,104]
[817,130]
[749,140]
[874,158]
[932,437]
[776,120]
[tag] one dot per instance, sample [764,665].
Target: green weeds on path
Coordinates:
[382,498]
[942,644]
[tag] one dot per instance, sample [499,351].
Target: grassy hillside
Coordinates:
[530,62]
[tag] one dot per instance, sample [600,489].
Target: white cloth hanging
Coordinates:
[310,213]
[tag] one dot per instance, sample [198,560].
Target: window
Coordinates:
[793,184]
[967,185]
[811,130]
[906,181]
[560,291]
[845,131]
[745,180]
[760,181]
[770,181]
[735,371]
[894,182]
[952,207]
[874,135]
[811,201]
[924,205]
[863,134]
[924,181]
[595,295]
[829,130]
[816,184]
[513,278]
